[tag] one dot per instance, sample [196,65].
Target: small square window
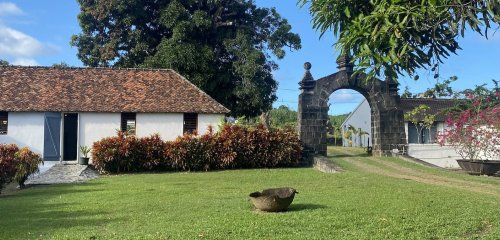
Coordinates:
[190,122]
[4,122]
[128,123]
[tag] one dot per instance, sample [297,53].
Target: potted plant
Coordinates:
[475,134]
[85,152]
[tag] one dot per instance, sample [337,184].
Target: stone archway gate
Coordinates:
[387,123]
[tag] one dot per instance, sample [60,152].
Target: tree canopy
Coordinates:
[390,37]
[61,65]
[421,119]
[224,47]
[4,63]
[439,90]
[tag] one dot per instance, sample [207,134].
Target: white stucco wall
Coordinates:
[205,120]
[168,125]
[359,118]
[25,129]
[93,127]
[445,156]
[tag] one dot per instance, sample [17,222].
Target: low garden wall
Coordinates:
[233,147]
[442,156]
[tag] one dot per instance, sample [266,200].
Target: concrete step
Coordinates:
[64,173]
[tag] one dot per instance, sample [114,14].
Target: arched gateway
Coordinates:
[387,117]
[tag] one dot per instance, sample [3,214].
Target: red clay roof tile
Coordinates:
[44,89]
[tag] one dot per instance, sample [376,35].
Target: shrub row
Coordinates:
[17,164]
[231,148]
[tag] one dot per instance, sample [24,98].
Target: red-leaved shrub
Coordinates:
[232,147]
[17,164]
[116,154]
[7,163]
[27,163]
[152,154]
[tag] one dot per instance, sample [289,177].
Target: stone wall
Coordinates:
[388,130]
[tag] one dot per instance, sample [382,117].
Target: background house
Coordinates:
[53,111]
[427,149]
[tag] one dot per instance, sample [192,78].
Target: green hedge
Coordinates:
[231,148]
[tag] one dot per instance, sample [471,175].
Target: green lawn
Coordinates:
[374,198]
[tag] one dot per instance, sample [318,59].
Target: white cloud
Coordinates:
[7,8]
[16,43]
[346,96]
[25,62]
[17,47]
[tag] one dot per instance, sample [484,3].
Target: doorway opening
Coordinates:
[70,136]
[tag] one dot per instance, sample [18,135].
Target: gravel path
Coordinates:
[64,173]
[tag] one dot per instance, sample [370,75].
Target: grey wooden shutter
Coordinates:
[52,137]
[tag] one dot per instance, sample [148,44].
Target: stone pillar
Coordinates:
[376,139]
[307,113]
[391,120]
[344,64]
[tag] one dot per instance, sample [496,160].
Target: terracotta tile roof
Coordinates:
[437,106]
[100,90]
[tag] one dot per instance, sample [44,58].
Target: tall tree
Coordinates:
[4,63]
[390,37]
[222,46]
[283,117]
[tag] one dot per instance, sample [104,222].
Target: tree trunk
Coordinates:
[264,119]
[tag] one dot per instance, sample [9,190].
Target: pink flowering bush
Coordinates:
[475,130]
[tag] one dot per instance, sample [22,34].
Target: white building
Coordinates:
[424,147]
[55,111]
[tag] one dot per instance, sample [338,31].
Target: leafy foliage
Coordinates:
[85,150]
[7,163]
[233,147]
[439,90]
[475,132]
[397,37]
[27,163]
[421,119]
[17,164]
[481,96]
[223,47]
[475,123]
[283,117]
[4,63]
[61,65]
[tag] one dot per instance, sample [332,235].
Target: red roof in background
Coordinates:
[437,106]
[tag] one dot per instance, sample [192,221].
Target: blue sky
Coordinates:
[38,33]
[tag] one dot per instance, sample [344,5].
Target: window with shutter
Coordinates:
[128,123]
[190,122]
[4,121]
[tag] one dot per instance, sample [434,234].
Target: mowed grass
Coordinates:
[355,204]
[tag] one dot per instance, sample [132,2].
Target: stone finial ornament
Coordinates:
[307,83]
[307,66]
[344,63]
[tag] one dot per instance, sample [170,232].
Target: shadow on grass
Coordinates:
[44,212]
[305,206]
[53,189]
[349,156]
